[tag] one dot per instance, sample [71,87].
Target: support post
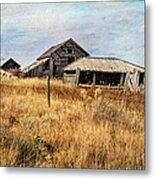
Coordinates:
[48,91]
[94,78]
[77,76]
[122,79]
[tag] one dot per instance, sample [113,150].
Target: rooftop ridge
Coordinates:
[55,47]
[51,47]
[114,58]
[2,63]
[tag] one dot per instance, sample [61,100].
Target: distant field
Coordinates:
[83,128]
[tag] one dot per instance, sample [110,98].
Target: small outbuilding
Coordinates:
[103,71]
[10,64]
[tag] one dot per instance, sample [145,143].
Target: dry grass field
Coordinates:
[83,128]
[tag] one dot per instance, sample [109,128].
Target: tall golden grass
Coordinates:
[83,128]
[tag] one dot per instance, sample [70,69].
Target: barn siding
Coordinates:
[70,78]
[61,56]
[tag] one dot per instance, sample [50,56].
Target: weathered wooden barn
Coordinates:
[53,61]
[104,71]
[10,64]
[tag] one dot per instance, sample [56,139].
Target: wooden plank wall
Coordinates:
[132,81]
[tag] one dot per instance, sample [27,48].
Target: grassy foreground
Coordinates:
[83,128]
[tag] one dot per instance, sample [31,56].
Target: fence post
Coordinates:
[48,91]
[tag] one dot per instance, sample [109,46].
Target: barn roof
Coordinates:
[54,48]
[34,65]
[103,64]
[6,61]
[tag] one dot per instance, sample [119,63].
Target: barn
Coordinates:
[104,71]
[10,64]
[53,61]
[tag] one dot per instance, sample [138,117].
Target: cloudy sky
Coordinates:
[102,28]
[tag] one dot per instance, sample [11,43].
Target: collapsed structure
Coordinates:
[104,71]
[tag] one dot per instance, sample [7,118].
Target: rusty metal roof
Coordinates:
[54,48]
[103,64]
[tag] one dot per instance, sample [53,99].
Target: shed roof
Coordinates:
[54,48]
[103,64]
[34,65]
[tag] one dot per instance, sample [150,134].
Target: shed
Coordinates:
[10,64]
[101,71]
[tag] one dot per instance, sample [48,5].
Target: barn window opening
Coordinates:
[70,72]
[70,51]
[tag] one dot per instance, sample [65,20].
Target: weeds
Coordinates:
[83,128]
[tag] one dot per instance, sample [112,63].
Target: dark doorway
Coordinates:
[141,78]
[46,66]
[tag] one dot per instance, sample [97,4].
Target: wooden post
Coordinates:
[77,76]
[94,78]
[122,79]
[51,67]
[48,91]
